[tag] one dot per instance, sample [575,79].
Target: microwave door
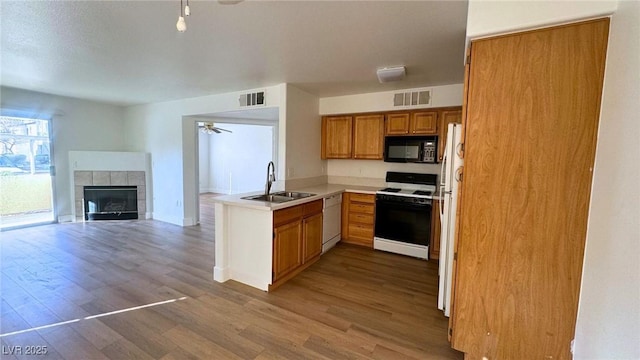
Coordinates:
[412,153]
[396,153]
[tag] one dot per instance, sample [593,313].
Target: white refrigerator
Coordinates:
[449,181]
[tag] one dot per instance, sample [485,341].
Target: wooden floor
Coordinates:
[354,303]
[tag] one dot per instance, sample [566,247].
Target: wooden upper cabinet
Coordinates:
[337,137]
[397,124]
[446,117]
[368,137]
[424,123]
[412,123]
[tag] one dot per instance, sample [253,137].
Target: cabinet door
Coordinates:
[287,248]
[368,137]
[397,124]
[434,245]
[446,117]
[336,137]
[424,123]
[530,136]
[312,236]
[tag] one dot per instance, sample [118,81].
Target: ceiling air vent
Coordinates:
[412,98]
[252,99]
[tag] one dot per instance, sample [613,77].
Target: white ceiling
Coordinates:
[129,52]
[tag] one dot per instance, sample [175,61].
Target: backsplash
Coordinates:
[372,172]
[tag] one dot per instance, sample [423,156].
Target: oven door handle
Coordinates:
[403,204]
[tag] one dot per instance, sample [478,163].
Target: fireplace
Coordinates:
[110,202]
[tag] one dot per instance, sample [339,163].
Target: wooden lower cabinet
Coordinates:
[287,248]
[297,240]
[312,237]
[434,246]
[358,214]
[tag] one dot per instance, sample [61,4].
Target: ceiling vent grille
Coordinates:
[252,99]
[412,98]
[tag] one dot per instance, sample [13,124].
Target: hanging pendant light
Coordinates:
[187,10]
[181,25]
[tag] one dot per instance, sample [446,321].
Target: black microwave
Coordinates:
[411,149]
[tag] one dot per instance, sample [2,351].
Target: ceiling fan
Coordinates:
[209,128]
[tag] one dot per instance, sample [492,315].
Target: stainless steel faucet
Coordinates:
[271,177]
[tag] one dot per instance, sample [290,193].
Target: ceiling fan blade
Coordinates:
[217,128]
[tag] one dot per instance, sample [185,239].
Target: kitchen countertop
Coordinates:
[321,191]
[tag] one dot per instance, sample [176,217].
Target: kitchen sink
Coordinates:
[279,197]
[292,194]
[269,198]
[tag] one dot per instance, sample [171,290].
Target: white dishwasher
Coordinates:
[331,221]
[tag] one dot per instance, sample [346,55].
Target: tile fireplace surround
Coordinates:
[83,178]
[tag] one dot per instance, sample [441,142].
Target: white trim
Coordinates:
[221,274]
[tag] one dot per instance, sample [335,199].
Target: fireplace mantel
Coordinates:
[110,168]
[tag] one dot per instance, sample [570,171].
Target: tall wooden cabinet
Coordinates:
[532,110]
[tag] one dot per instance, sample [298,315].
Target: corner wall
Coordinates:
[77,125]
[304,166]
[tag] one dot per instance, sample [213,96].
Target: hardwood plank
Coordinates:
[197,345]
[124,349]
[336,308]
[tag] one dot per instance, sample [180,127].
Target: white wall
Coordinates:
[373,172]
[442,96]
[203,162]
[167,130]
[609,307]
[499,17]
[77,125]
[238,161]
[609,314]
[303,136]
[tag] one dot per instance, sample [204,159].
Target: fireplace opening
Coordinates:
[110,202]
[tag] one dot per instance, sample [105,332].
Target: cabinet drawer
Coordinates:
[360,208]
[363,198]
[287,215]
[366,219]
[312,208]
[361,231]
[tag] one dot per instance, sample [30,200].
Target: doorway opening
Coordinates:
[26,182]
[234,162]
